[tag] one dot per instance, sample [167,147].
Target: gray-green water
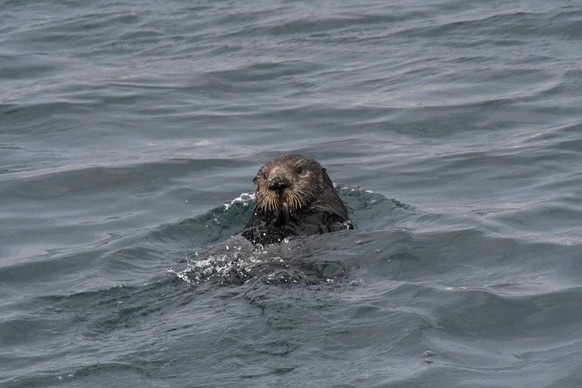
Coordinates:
[125,127]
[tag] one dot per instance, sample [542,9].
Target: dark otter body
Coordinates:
[294,196]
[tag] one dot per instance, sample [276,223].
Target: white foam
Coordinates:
[243,198]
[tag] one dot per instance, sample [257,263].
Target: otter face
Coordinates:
[288,183]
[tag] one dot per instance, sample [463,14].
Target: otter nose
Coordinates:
[278,183]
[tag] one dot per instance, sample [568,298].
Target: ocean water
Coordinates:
[129,136]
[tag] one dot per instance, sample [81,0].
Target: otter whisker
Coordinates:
[300,198]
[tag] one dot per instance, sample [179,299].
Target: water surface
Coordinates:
[452,128]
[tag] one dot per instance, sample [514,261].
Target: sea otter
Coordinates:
[294,196]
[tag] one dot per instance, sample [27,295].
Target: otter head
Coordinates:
[289,183]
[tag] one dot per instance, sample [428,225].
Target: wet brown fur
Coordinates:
[294,195]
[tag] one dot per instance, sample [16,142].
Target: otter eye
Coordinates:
[260,175]
[299,170]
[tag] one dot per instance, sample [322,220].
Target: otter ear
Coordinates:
[323,169]
[326,178]
[255,179]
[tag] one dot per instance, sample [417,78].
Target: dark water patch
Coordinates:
[507,26]
[94,192]
[257,73]
[512,351]
[25,66]
[301,260]
[519,316]
[538,217]
[64,182]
